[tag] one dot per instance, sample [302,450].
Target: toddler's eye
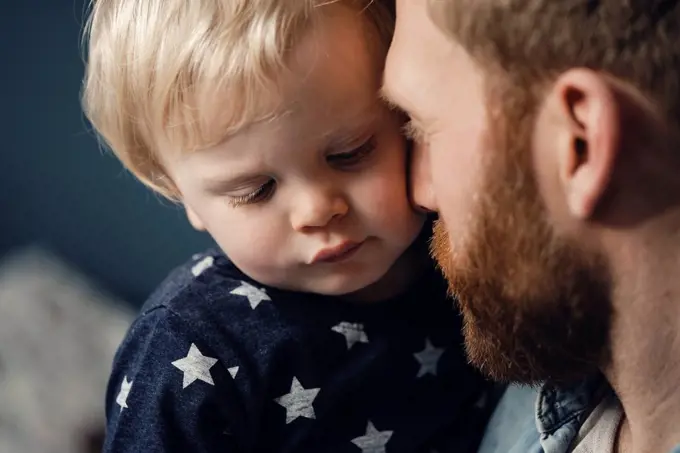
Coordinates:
[353,157]
[262,193]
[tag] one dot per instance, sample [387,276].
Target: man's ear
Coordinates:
[587,103]
[194,219]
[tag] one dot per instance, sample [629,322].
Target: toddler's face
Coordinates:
[316,199]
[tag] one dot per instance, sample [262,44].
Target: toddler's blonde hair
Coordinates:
[155,69]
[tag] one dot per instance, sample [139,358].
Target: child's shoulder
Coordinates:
[208,285]
[208,304]
[193,357]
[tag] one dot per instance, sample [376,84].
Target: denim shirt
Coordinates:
[541,420]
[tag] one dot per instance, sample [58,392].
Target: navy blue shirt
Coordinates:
[216,362]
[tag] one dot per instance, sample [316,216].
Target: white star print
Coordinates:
[298,402]
[233,371]
[354,333]
[195,366]
[428,359]
[125,388]
[373,441]
[254,295]
[202,265]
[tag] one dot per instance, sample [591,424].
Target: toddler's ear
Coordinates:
[194,219]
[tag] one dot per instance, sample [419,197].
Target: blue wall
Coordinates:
[57,188]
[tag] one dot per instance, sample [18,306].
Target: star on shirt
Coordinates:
[125,388]
[201,266]
[195,366]
[373,441]
[232,371]
[353,333]
[298,402]
[254,295]
[428,359]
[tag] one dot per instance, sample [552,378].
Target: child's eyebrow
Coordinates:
[220,185]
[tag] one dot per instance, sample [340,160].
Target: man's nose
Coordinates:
[316,207]
[422,195]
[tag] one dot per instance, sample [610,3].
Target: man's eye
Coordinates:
[353,157]
[413,132]
[262,193]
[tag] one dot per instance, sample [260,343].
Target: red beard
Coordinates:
[536,306]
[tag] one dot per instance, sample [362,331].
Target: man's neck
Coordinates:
[645,360]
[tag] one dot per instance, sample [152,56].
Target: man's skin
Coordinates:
[606,183]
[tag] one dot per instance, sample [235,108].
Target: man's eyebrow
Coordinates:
[386,96]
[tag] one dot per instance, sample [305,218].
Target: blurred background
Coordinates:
[81,242]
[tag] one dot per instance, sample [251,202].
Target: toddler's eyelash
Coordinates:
[354,156]
[258,195]
[265,191]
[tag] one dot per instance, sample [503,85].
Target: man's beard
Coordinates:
[536,306]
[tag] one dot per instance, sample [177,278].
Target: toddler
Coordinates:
[320,324]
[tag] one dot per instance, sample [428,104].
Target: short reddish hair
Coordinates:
[533,41]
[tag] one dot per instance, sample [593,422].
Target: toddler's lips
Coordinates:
[338,253]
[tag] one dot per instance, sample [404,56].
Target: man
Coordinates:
[549,143]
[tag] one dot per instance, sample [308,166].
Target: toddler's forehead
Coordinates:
[216,107]
[208,117]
